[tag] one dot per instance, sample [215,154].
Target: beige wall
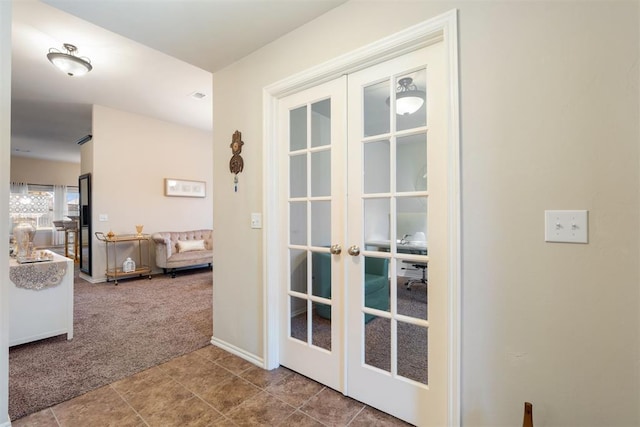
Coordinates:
[131,156]
[46,172]
[86,157]
[5,154]
[549,120]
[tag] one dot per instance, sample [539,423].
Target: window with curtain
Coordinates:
[42,204]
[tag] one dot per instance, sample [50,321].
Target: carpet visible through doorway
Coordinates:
[118,331]
[412,348]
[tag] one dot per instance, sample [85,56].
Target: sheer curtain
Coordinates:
[60,211]
[14,189]
[19,188]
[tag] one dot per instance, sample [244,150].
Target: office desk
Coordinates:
[416,270]
[418,248]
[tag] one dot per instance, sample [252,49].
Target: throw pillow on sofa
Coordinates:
[190,245]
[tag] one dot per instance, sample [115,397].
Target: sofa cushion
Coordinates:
[190,245]
[185,259]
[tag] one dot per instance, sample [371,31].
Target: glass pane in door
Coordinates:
[298,223]
[377,113]
[412,352]
[299,324]
[321,123]
[298,269]
[377,336]
[376,223]
[412,280]
[321,223]
[321,287]
[411,223]
[321,276]
[411,294]
[321,334]
[411,163]
[377,170]
[376,284]
[320,173]
[298,129]
[298,175]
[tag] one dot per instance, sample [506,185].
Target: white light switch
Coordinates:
[566,226]
[103,217]
[256,220]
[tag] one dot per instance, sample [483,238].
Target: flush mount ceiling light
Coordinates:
[68,62]
[409,98]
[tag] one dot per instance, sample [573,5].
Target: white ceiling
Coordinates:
[148,58]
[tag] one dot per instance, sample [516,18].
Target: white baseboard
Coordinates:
[103,279]
[249,357]
[299,311]
[92,279]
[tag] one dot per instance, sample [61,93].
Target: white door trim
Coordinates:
[440,28]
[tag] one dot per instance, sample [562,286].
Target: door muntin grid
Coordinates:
[394,202]
[310,212]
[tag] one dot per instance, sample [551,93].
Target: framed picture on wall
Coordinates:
[184,188]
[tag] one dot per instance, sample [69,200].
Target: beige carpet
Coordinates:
[118,331]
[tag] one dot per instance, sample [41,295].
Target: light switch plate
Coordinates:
[103,217]
[256,220]
[566,226]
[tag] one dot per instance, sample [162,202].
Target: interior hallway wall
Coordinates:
[129,158]
[549,120]
[46,172]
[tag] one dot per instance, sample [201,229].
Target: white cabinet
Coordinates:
[40,300]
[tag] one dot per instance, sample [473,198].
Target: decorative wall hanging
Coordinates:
[236,164]
[184,188]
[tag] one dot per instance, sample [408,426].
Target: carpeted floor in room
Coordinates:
[118,331]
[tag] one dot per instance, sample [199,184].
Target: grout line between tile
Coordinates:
[129,405]
[356,415]
[314,419]
[55,417]
[196,396]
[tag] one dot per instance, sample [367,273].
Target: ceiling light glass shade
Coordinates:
[408,104]
[408,98]
[68,62]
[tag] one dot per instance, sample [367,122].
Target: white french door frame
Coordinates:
[440,28]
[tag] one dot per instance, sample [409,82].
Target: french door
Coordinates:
[313,196]
[366,232]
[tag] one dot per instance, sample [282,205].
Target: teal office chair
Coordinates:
[376,286]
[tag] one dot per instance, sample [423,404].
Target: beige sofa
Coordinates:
[181,249]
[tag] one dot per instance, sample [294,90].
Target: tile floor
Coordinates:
[210,387]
